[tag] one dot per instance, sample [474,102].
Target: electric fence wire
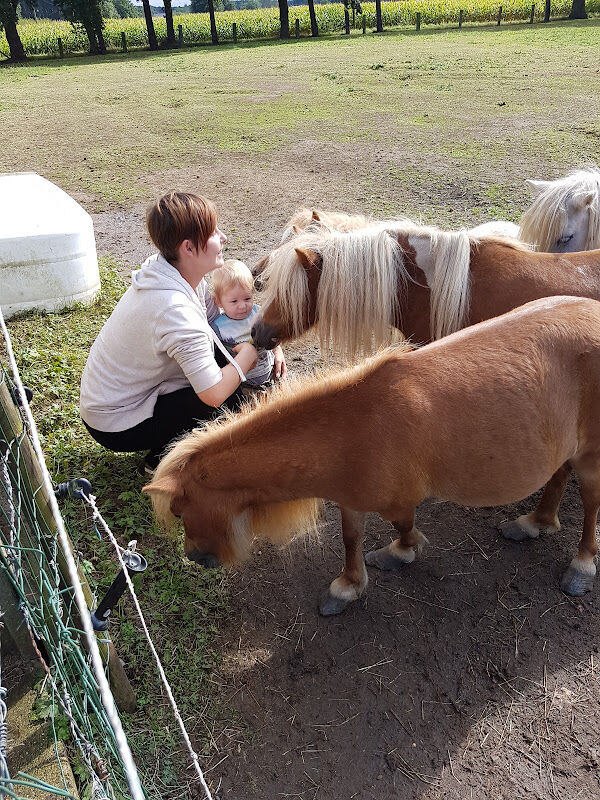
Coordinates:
[105,692]
[97,517]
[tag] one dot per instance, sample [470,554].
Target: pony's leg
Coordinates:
[353,580]
[402,550]
[579,577]
[545,516]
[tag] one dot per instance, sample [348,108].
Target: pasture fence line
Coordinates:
[37,559]
[38,565]
[59,38]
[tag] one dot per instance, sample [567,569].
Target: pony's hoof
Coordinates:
[383,559]
[517,532]
[330,605]
[575,582]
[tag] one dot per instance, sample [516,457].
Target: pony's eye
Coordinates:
[565,239]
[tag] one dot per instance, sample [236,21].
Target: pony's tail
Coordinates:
[450,290]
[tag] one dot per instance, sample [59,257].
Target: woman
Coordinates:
[152,374]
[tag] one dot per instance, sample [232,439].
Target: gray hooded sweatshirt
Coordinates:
[157,340]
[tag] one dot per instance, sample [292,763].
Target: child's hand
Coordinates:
[279,367]
[249,355]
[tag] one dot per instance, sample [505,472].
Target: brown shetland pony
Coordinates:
[426,282]
[483,417]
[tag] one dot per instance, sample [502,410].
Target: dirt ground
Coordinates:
[469,675]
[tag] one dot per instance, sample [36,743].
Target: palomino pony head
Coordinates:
[221,514]
[346,283]
[310,220]
[565,215]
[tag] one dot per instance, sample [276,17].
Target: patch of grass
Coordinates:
[99,130]
[182,604]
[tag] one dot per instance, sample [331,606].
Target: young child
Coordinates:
[232,288]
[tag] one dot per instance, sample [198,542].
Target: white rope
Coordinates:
[228,356]
[193,755]
[105,693]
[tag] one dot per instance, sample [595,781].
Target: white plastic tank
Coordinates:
[48,257]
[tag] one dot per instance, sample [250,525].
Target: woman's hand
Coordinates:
[247,355]
[279,367]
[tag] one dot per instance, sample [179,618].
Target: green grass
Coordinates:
[484,99]
[182,604]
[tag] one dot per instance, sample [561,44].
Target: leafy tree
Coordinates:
[125,9]
[88,14]
[578,10]
[8,21]
[108,9]
[202,6]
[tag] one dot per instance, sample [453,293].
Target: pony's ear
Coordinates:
[537,187]
[586,199]
[308,258]
[315,215]
[165,485]
[260,265]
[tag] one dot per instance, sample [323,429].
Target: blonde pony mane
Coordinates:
[544,221]
[357,300]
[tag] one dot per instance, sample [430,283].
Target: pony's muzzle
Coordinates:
[204,559]
[264,336]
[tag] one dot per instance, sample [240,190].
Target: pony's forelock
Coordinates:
[544,221]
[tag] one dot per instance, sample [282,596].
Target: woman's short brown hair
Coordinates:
[177,216]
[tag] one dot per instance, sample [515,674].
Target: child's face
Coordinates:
[236,301]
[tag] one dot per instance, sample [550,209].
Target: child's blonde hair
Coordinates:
[231,273]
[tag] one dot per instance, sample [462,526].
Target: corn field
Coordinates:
[40,37]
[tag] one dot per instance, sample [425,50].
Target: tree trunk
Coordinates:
[578,10]
[97,23]
[150,25]
[17,52]
[284,20]
[378,18]
[101,42]
[314,28]
[91,34]
[169,20]
[547,11]
[213,23]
